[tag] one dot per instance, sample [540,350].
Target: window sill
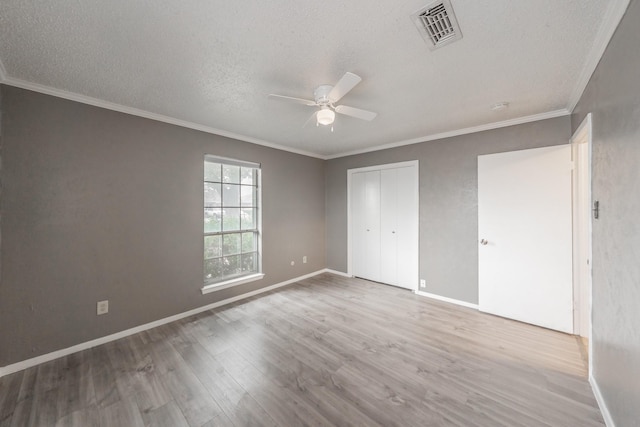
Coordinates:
[231,283]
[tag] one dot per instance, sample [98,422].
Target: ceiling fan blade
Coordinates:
[291,99]
[344,85]
[356,112]
[313,116]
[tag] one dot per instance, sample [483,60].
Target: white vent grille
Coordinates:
[437,24]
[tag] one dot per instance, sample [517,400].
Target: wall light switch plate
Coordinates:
[304,259]
[102,307]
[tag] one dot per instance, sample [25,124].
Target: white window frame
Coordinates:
[212,286]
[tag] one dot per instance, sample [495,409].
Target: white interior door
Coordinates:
[525,235]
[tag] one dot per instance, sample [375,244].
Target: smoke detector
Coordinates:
[437,24]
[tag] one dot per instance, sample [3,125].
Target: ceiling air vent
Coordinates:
[437,24]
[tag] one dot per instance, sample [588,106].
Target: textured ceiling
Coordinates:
[213,63]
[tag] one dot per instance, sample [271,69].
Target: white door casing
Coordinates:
[525,236]
[581,145]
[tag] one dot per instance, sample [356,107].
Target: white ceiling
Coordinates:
[211,64]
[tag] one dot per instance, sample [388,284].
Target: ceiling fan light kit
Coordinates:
[325,96]
[325,116]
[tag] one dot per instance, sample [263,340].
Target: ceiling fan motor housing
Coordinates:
[321,94]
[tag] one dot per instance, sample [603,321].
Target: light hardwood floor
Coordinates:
[326,351]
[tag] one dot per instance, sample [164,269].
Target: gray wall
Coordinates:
[103,205]
[448,200]
[613,96]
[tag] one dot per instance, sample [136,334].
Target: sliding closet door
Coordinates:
[365,221]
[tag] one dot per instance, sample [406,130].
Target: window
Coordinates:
[231,222]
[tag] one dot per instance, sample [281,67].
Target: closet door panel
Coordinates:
[366,224]
[372,222]
[388,226]
[406,227]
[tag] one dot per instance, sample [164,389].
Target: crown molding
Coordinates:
[610,23]
[611,20]
[36,87]
[457,132]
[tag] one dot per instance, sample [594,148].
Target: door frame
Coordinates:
[581,143]
[350,172]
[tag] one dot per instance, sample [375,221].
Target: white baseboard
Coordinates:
[24,364]
[337,273]
[445,299]
[601,403]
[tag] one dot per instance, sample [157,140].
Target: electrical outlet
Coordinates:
[304,259]
[293,263]
[102,307]
[423,283]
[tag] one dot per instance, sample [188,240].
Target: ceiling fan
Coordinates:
[325,96]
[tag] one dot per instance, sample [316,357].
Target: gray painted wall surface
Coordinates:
[613,96]
[103,205]
[448,199]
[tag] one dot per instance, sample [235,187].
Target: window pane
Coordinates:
[249,263]
[212,172]
[231,244]
[212,220]
[212,247]
[212,195]
[248,242]
[247,195]
[248,176]
[212,268]
[231,174]
[231,195]
[231,265]
[248,219]
[231,219]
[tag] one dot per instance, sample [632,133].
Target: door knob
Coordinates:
[484,242]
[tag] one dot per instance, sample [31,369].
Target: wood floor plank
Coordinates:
[9,393]
[86,417]
[122,413]
[191,396]
[76,391]
[168,415]
[234,401]
[280,402]
[327,351]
